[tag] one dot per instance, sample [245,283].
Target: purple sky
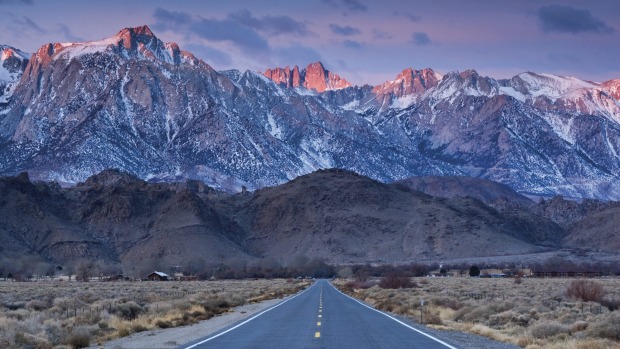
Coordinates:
[365,41]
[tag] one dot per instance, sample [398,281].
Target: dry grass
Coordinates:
[54,314]
[531,313]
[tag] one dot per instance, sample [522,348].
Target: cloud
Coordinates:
[16,2]
[216,30]
[354,5]
[567,19]
[272,25]
[68,34]
[351,5]
[25,24]
[356,45]
[378,34]
[420,39]
[210,55]
[410,16]
[344,31]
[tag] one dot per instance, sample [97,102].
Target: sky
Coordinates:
[363,41]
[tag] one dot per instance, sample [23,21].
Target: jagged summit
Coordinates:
[12,65]
[137,43]
[313,77]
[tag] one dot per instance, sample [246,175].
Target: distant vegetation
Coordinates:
[34,268]
[46,315]
[534,313]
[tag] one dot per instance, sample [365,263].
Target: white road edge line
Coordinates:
[395,319]
[250,319]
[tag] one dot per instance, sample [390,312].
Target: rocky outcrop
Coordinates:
[313,77]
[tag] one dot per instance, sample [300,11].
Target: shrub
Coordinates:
[432,317]
[548,329]
[587,291]
[578,326]
[611,303]
[474,271]
[358,285]
[163,324]
[129,310]
[27,340]
[36,305]
[481,313]
[393,282]
[135,328]
[79,339]
[609,328]
[447,302]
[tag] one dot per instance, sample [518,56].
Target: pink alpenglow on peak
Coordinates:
[136,43]
[409,82]
[313,77]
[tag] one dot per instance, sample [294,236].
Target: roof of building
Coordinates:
[164,275]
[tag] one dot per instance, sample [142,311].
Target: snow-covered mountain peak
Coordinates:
[12,65]
[613,88]
[7,52]
[137,43]
[468,82]
[534,85]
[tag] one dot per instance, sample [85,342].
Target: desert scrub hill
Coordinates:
[532,313]
[54,314]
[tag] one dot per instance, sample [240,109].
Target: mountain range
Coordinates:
[147,107]
[335,215]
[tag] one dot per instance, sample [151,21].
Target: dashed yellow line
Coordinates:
[318,323]
[317,335]
[320,315]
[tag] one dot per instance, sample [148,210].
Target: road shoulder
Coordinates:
[174,337]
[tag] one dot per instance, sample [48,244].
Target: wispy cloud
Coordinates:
[347,5]
[356,45]
[354,5]
[420,39]
[343,30]
[567,19]
[68,34]
[272,25]
[24,24]
[216,30]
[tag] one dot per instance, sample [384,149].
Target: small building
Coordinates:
[158,276]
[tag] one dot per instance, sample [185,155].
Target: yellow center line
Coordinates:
[317,335]
[318,323]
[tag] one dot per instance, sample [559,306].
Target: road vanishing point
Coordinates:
[320,317]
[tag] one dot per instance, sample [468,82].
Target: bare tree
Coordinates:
[84,270]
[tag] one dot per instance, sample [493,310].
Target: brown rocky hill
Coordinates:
[335,215]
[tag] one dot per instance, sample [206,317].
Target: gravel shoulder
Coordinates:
[174,337]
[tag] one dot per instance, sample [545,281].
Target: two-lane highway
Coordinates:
[320,317]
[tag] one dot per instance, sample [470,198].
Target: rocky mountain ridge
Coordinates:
[313,77]
[335,215]
[135,103]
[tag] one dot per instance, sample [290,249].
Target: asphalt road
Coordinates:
[320,317]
